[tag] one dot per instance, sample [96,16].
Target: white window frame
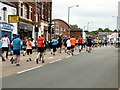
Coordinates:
[25,10]
[30,13]
[20,2]
[37,17]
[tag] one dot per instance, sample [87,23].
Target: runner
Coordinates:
[54,45]
[41,48]
[80,43]
[16,50]
[93,43]
[60,44]
[0,48]
[65,45]
[33,44]
[5,47]
[89,44]
[24,46]
[50,45]
[76,44]
[68,46]
[29,49]
[73,41]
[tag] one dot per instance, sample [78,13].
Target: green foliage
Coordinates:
[99,30]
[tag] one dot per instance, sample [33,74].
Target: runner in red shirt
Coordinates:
[41,48]
[80,43]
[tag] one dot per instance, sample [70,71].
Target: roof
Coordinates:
[61,21]
[75,29]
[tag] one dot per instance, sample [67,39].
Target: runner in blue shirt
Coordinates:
[54,44]
[16,50]
[0,48]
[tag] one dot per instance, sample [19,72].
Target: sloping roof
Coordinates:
[61,20]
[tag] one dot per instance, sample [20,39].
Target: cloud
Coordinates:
[98,11]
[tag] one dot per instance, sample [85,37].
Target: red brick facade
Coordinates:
[28,17]
[61,28]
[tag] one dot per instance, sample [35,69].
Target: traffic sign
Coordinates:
[13,18]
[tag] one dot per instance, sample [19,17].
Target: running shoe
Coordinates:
[17,64]
[12,60]
[36,61]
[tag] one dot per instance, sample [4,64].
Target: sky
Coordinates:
[98,12]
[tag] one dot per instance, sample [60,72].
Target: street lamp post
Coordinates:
[69,12]
[88,25]
[116,22]
[116,26]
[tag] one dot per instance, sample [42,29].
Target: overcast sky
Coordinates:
[99,12]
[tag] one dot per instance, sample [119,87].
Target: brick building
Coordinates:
[32,15]
[74,30]
[60,28]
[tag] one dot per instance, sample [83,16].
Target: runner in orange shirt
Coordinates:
[29,49]
[73,41]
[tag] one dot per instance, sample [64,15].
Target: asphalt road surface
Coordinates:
[98,69]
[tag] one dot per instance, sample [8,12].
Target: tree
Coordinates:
[115,30]
[100,30]
[107,30]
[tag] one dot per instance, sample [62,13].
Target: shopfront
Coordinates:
[6,28]
[25,30]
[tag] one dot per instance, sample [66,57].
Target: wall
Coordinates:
[75,33]
[10,11]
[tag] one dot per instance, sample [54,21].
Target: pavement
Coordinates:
[10,69]
[98,69]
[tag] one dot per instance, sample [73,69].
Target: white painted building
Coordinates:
[5,27]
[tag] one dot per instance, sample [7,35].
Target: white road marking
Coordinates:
[55,61]
[51,57]
[29,69]
[68,56]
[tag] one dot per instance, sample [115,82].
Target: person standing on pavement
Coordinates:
[54,45]
[41,48]
[16,50]
[5,47]
[80,43]
[29,49]
[73,41]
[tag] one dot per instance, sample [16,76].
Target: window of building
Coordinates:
[43,9]
[64,29]
[57,25]
[25,11]
[61,29]
[49,14]
[20,9]
[37,17]
[30,13]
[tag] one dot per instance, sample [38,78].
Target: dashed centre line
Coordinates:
[29,69]
[55,61]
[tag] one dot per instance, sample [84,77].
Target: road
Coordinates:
[98,69]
